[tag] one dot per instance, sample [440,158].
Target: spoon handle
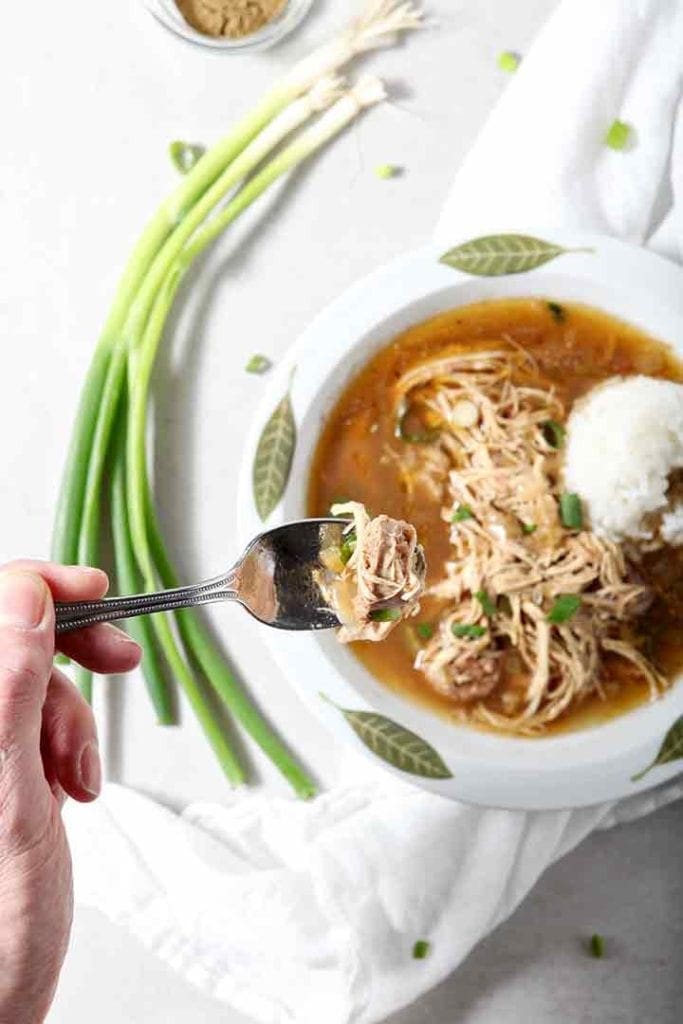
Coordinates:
[79,614]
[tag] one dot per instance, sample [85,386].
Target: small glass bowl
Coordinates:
[168,14]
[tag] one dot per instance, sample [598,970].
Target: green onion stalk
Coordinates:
[111,421]
[145,533]
[130,582]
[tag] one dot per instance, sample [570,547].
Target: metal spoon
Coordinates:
[274,580]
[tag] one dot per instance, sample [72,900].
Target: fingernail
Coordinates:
[90,768]
[22,599]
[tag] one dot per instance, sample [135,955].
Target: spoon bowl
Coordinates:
[275,580]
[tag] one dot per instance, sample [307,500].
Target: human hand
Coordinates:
[48,749]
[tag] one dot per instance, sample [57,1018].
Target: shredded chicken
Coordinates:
[381,581]
[501,496]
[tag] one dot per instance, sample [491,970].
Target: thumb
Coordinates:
[26,651]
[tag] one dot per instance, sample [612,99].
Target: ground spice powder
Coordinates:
[231,18]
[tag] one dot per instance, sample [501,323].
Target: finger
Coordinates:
[26,651]
[95,648]
[69,741]
[102,648]
[66,582]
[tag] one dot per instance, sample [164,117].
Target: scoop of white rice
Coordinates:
[623,440]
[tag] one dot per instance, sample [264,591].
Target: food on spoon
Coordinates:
[537,616]
[375,579]
[625,458]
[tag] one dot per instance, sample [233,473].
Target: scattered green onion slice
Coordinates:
[185,155]
[386,171]
[465,630]
[617,135]
[529,528]
[554,433]
[488,605]
[348,546]
[425,630]
[462,513]
[564,608]
[421,949]
[509,61]
[386,615]
[571,511]
[557,311]
[258,364]
[597,946]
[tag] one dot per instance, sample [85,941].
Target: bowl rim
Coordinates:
[579,768]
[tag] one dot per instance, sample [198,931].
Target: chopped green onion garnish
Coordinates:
[571,512]
[597,946]
[509,61]
[386,615]
[421,949]
[529,528]
[462,513]
[462,629]
[564,607]
[557,311]
[488,606]
[185,155]
[425,630]
[554,433]
[617,135]
[258,364]
[385,171]
[348,546]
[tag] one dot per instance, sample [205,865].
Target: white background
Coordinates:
[91,95]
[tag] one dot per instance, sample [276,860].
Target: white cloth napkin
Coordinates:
[307,913]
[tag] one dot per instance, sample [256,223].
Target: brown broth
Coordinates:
[582,349]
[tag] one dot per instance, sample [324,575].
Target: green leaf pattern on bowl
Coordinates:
[395,744]
[497,255]
[273,459]
[670,750]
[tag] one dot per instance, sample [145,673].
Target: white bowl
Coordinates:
[567,770]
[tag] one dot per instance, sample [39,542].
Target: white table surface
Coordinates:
[92,93]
